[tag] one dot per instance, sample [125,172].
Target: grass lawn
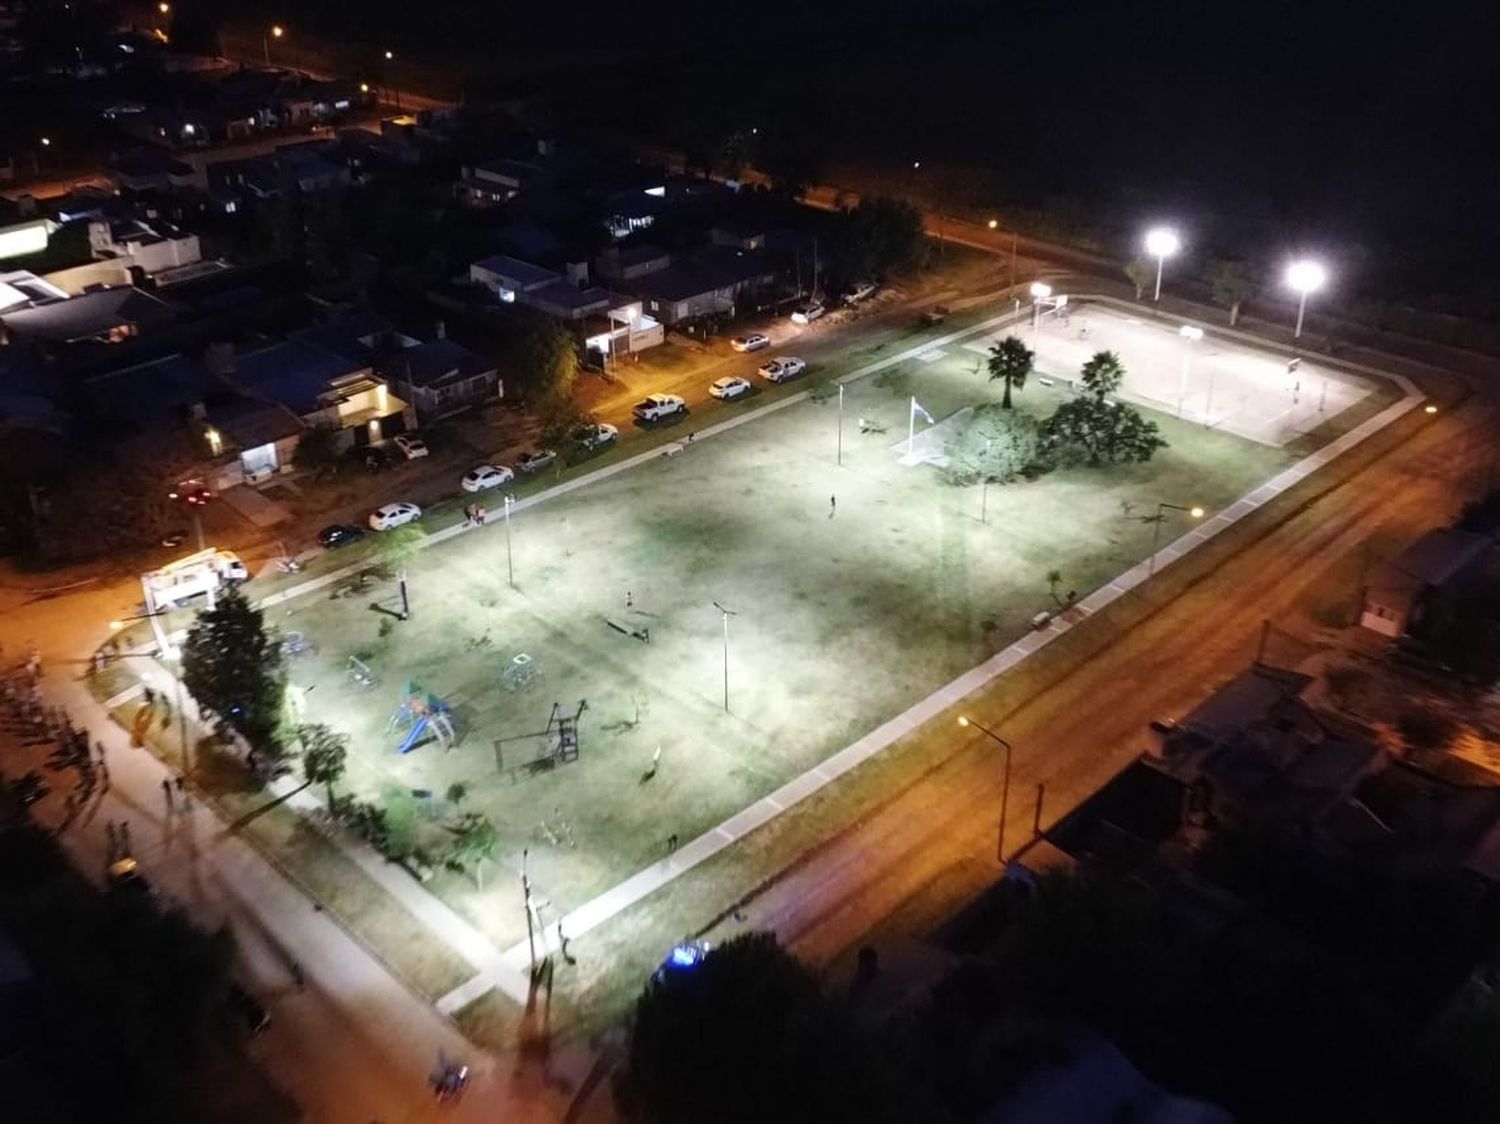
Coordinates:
[845,616]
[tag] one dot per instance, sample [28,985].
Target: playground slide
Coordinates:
[418,728]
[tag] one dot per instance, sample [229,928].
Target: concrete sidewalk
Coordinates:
[351,1045]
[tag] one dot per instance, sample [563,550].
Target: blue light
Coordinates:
[685,956]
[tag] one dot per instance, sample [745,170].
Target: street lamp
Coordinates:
[46,142]
[164,7]
[1305,276]
[276,32]
[965,721]
[1190,335]
[1194,512]
[1040,291]
[1161,243]
[994,224]
[510,568]
[726,613]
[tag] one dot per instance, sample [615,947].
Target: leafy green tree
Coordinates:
[995,444]
[546,356]
[324,755]
[1010,362]
[475,842]
[880,236]
[1230,285]
[1096,430]
[1140,275]
[747,1036]
[317,449]
[235,670]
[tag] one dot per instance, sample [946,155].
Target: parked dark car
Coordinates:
[340,534]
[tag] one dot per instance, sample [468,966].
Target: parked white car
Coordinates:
[779,370]
[393,515]
[657,406]
[807,313]
[487,476]
[753,342]
[595,435]
[859,292]
[731,386]
[411,446]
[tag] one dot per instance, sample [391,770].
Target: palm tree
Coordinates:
[1011,361]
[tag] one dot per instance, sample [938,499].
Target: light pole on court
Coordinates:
[1040,291]
[841,425]
[1194,511]
[1305,276]
[966,722]
[1190,335]
[726,614]
[1161,243]
[276,31]
[510,566]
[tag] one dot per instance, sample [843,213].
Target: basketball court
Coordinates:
[1197,376]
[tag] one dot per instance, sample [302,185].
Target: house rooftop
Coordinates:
[1438,556]
[149,162]
[564,295]
[1248,698]
[294,373]
[354,335]
[89,315]
[249,423]
[148,394]
[433,364]
[523,273]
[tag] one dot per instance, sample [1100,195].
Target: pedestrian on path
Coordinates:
[563,941]
[629,599]
[672,842]
[833,506]
[166,791]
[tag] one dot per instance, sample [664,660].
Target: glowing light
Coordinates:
[1306,275]
[1162,242]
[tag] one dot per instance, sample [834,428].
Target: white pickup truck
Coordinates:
[658,406]
[210,569]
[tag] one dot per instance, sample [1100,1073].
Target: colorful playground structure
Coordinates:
[424,713]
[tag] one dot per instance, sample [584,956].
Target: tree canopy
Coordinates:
[1230,285]
[1095,430]
[995,444]
[744,1037]
[475,843]
[879,237]
[324,755]
[235,670]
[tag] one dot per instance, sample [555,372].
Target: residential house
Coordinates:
[323,389]
[714,281]
[441,377]
[151,170]
[108,316]
[607,322]
[499,181]
[150,246]
[1440,562]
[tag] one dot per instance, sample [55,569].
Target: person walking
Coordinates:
[833,506]
[166,791]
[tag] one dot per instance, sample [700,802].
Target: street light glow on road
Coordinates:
[1040,290]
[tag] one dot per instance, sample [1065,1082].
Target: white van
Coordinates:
[209,569]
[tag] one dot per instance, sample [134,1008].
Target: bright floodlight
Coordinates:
[1162,242]
[994,223]
[277,32]
[1306,276]
[1040,289]
[963,719]
[1196,512]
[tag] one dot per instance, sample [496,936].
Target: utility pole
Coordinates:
[841,425]
[726,613]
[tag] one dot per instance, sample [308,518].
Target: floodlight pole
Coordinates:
[526,901]
[1161,514]
[726,614]
[510,566]
[841,425]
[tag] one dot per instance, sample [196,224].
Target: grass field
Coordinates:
[844,616]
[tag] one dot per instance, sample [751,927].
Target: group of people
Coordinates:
[35,721]
[475,515]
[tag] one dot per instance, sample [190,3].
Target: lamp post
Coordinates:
[276,31]
[1040,291]
[726,614]
[1161,243]
[1161,513]
[840,460]
[390,56]
[1190,335]
[510,567]
[965,721]
[1305,276]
